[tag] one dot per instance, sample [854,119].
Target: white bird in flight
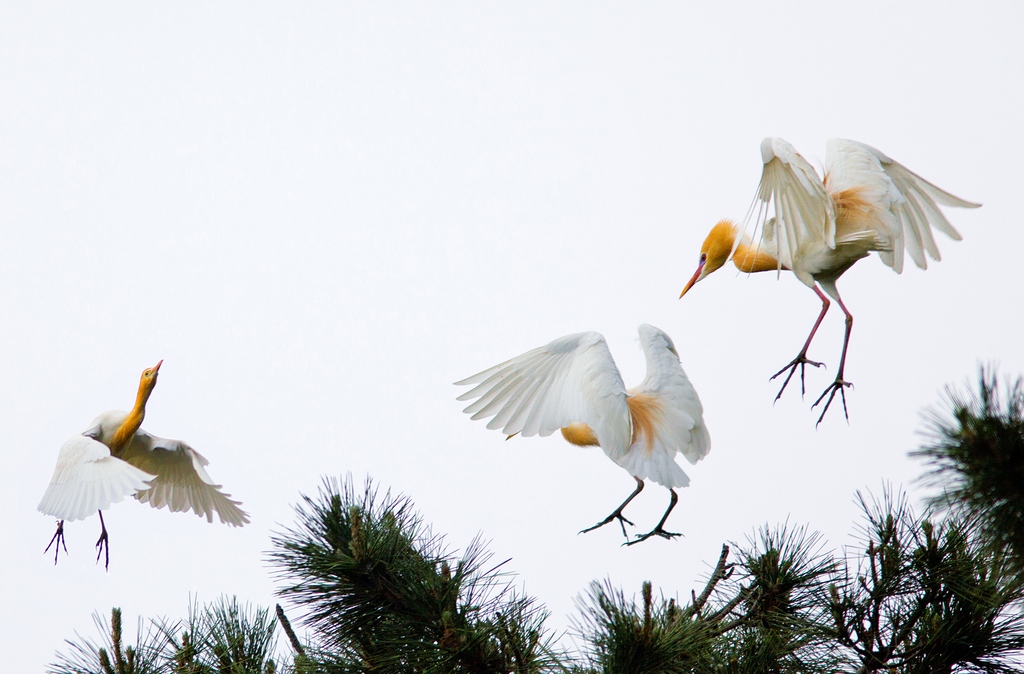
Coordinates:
[115,458]
[572,385]
[866,203]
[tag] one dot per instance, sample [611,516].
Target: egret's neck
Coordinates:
[132,423]
[750,259]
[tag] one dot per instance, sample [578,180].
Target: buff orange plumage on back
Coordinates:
[643,415]
[645,418]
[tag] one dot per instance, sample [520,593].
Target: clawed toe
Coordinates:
[839,386]
[657,531]
[58,538]
[617,513]
[800,361]
[103,548]
[614,516]
[103,544]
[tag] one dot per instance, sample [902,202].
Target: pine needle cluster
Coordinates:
[112,655]
[381,593]
[975,452]
[762,613]
[917,596]
[220,638]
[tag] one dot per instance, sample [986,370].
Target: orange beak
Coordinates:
[693,279]
[156,368]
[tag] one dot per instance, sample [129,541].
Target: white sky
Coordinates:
[321,216]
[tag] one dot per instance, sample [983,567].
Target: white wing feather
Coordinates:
[571,380]
[87,478]
[574,380]
[803,210]
[181,482]
[912,200]
[679,420]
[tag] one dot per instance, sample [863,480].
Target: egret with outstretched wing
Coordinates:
[819,227]
[572,385]
[115,458]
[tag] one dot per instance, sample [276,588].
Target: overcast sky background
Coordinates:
[320,216]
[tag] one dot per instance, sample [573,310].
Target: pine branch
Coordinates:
[722,571]
[287,627]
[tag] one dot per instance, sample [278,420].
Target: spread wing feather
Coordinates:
[803,211]
[571,380]
[677,418]
[87,478]
[181,482]
[910,203]
[574,380]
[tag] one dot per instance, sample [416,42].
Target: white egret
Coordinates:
[866,202]
[572,385]
[115,458]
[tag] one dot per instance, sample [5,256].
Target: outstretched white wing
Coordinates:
[182,482]
[912,200]
[571,380]
[87,478]
[804,213]
[668,415]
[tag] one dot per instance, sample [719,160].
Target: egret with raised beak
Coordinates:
[115,458]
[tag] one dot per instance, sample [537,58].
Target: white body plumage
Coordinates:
[818,227]
[573,380]
[87,479]
[865,202]
[164,473]
[573,385]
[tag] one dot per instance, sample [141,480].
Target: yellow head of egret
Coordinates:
[149,377]
[151,372]
[715,251]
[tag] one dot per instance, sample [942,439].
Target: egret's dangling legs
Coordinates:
[801,358]
[839,384]
[617,515]
[658,530]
